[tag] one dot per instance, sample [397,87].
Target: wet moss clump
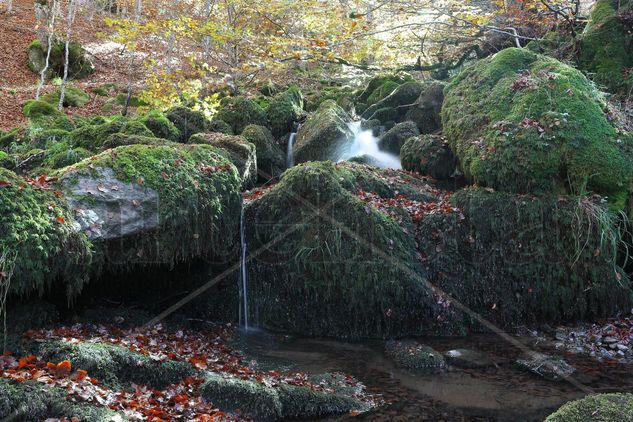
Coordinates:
[596,408]
[187,121]
[521,122]
[429,155]
[310,282]
[284,110]
[240,112]
[116,366]
[93,137]
[36,230]
[394,139]
[197,206]
[523,259]
[606,46]
[271,161]
[160,125]
[34,402]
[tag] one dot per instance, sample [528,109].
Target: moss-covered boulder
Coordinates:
[429,155]
[160,125]
[381,92]
[278,402]
[79,64]
[327,267]
[37,233]
[73,97]
[116,366]
[220,126]
[324,135]
[150,205]
[605,48]
[387,116]
[426,111]
[60,155]
[240,112]
[522,122]
[377,83]
[271,161]
[35,109]
[48,137]
[596,408]
[394,139]
[32,401]
[122,139]
[238,150]
[188,121]
[526,259]
[403,95]
[413,355]
[284,110]
[93,137]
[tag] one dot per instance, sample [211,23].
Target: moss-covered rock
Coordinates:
[381,92]
[385,115]
[596,408]
[73,97]
[403,95]
[324,135]
[48,137]
[284,110]
[116,366]
[32,401]
[220,126]
[238,150]
[605,48]
[521,122]
[395,137]
[240,112]
[35,109]
[377,82]
[121,139]
[526,259]
[93,137]
[61,155]
[271,161]
[188,121]
[326,276]
[429,155]
[426,110]
[160,125]
[413,355]
[36,229]
[155,205]
[79,65]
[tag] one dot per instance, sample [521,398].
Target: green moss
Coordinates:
[428,155]
[404,94]
[270,158]
[61,155]
[220,126]
[188,122]
[34,109]
[606,46]
[79,65]
[377,82]
[521,122]
[395,137]
[235,148]
[116,366]
[73,97]
[596,408]
[384,115]
[45,138]
[160,125]
[310,282]
[10,137]
[413,355]
[93,137]
[121,139]
[33,402]
[524,259]
[37,227]
[381,92]
[199,201]
[304,403]
[284,110]
[240,112]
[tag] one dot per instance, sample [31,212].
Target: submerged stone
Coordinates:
[412,355]
[466,358]
[553,368]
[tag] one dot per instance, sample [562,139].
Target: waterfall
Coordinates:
[243,274]
[290,159]
[365,145]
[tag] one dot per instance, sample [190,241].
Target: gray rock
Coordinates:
[413,355]
[465,358]
[553,368]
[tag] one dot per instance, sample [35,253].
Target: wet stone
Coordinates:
[465,358]
[413,355]
[553,368]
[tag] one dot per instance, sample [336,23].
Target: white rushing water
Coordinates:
[243,275]
[366,144]
[290,160]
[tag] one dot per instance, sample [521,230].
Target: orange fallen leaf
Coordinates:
[63,368]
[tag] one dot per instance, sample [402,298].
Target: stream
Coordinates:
[504,393]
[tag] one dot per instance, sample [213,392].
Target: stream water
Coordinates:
[243,274]
[504,393]
[365,144]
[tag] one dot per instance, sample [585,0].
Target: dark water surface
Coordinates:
[505,393]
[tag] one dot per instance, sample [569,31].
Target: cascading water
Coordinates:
[290,159]
[365,144]
[243,274]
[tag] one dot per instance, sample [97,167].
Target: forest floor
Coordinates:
[19,84]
